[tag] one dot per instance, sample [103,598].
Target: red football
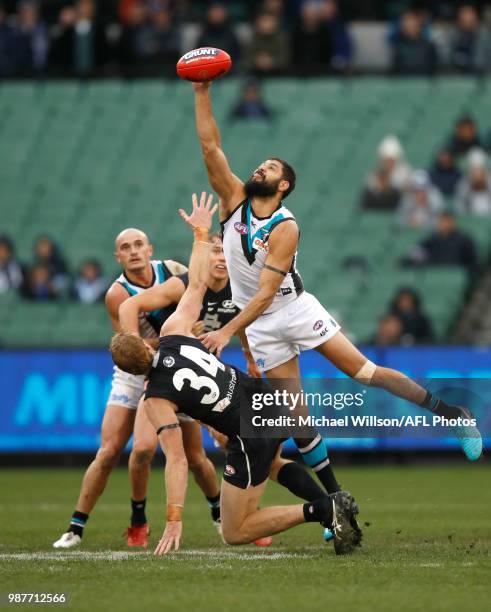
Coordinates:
[203,64]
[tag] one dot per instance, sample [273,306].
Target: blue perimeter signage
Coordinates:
[53,400]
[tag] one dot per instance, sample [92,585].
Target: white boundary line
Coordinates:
[123,555]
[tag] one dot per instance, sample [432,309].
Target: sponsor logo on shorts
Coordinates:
[241,227]
[324,331]
[122,398]
[229,470]
[168,361]
[318,324]
[286,291]
[260,363]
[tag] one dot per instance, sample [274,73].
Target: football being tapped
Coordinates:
[203,64]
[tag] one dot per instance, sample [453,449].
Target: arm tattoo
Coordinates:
[277,270]
[170,426]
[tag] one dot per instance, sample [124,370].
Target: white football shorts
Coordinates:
[299,326]
[127,389]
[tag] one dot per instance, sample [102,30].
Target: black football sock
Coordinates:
[439,407]
[138,516]
[318,511]
[299,482]
[214,503]
[314,453]
[78,522]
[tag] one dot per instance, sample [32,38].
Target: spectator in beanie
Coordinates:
[474,191]
[421,203]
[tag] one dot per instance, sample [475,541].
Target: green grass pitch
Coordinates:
[427,547]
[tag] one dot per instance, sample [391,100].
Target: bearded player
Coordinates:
[184,376]
[281,319]
[133,252]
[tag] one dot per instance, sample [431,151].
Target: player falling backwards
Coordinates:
[216,311]
[260,239]
[184,376]
[133,252]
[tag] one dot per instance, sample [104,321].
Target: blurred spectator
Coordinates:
[465,136]
[421,203]
[6,35]
[48,255]
[470,43]
[474,191]
[150,39]
[412,52]
[11,275]
[447,246]
[341,46]
[250,105]
[391,160]
[311,44]
[127,8]
[26,41]
[444,173]
[380,194]
[90,285]
[389,332]
[268,51]
[38,284]
[321,40]
[406,305]
[218,32]
[276,8]
[80,45]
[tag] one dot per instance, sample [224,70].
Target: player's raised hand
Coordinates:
[172,537]
[202,213]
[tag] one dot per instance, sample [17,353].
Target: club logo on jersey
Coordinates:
[318,324]
[228,304]
[241,227]
[168,361]
[229,470]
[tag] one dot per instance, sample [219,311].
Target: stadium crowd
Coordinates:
[83,38]
[47,277]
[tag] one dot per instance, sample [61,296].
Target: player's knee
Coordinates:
[108,457]
[233,536]
[365,375]
[142,456]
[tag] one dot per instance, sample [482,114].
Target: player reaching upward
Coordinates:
[185,376]
[260,238]
[134,252]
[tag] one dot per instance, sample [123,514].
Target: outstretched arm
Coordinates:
[282,247]
[162,415]
[157,297]
[222,180]
[189,308]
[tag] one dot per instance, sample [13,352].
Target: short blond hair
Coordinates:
[130,353]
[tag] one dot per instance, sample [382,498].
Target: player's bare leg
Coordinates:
[139,465]
[117,427]
[243,522]
[345,356]
[312,447]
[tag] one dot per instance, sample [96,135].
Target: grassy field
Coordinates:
[427,547]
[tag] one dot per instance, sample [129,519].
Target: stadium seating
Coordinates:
[82,161]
